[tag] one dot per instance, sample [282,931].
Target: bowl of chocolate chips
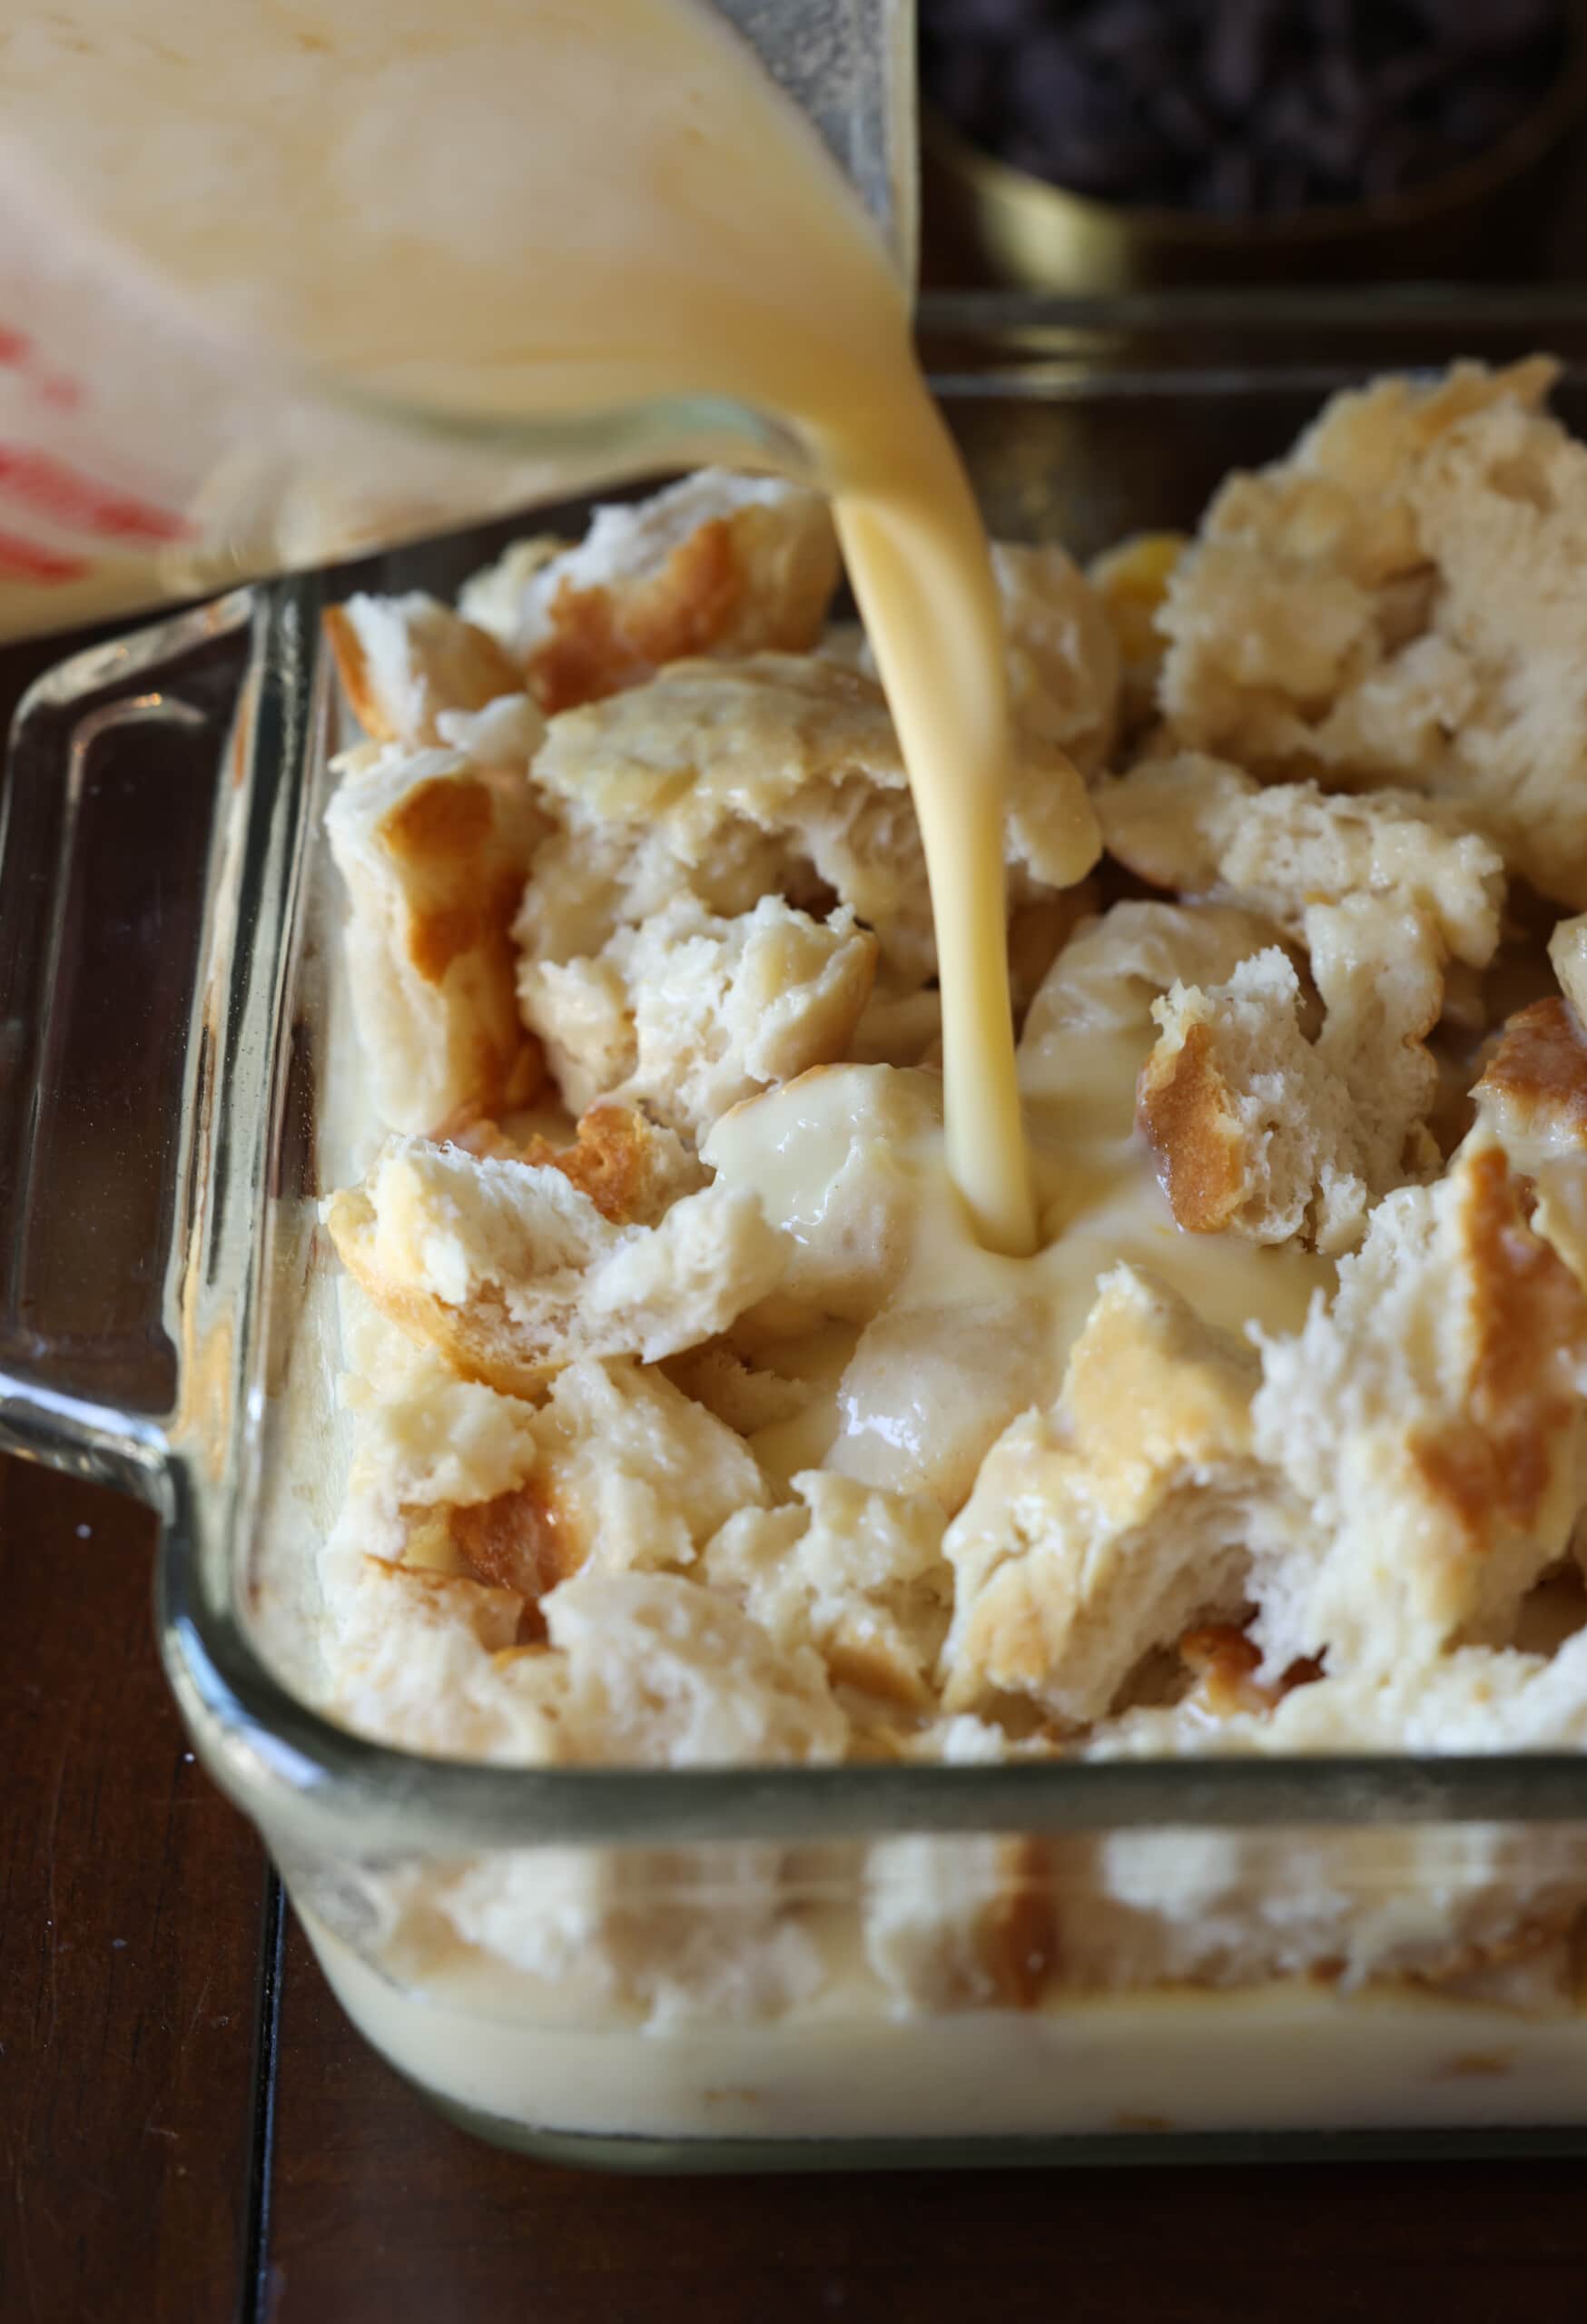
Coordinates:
[1095,145]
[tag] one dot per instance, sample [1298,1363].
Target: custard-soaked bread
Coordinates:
[1107,976]
[404,661]
[433,853]
[745,1396]
[937,1375]
[858,1574]
[512,1272]
[1429,1421]
[832,1161]
[778,775]
[718,564]
[1103,1527]
[1398,603]
[687,1013]
[1201,826]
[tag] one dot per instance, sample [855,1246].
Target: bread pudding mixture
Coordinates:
[695,1424]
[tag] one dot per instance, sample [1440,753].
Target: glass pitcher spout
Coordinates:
[849,65]
[435,284]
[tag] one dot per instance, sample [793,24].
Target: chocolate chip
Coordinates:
[1126,31]
[968,84]
[1484,27]
[1238,106]
[1188,128]
[1474,118]
[1228,186]
[1235,49]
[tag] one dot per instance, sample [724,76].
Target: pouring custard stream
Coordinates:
[507,209]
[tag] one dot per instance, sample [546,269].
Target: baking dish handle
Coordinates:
[111,831]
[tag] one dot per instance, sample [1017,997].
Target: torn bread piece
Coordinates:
[1568,958]
[1201,826]
[663,1672]
[425,1440]
[858,1574]
[1531,1092]
[639,1670]
[1104,1527]
[1378,970]
[669,1937]
[1107,976]
[616,1468]
[1062,655]
[1131,580]
[1395,603]
[493,597]
[505,734]
[428,1661]
[629,1475]
[1434,1903]
[1473,1698]
[687,1013]
[1251,1131]
[1430,1421]
[715,565]
[1381,894]
[404,662]
[632,1168]
[1259,1129]
[512,1272]
[745,1397]
[1531,1099]
[433,855]
[1483,1911]
[957,1923]
[774,774]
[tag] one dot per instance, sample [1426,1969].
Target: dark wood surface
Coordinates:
[145,2178]
[131,1899]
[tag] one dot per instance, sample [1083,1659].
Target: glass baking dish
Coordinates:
[735,1967]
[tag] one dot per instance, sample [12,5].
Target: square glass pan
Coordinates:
[180,1088]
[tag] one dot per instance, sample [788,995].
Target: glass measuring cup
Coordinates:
[147,456]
